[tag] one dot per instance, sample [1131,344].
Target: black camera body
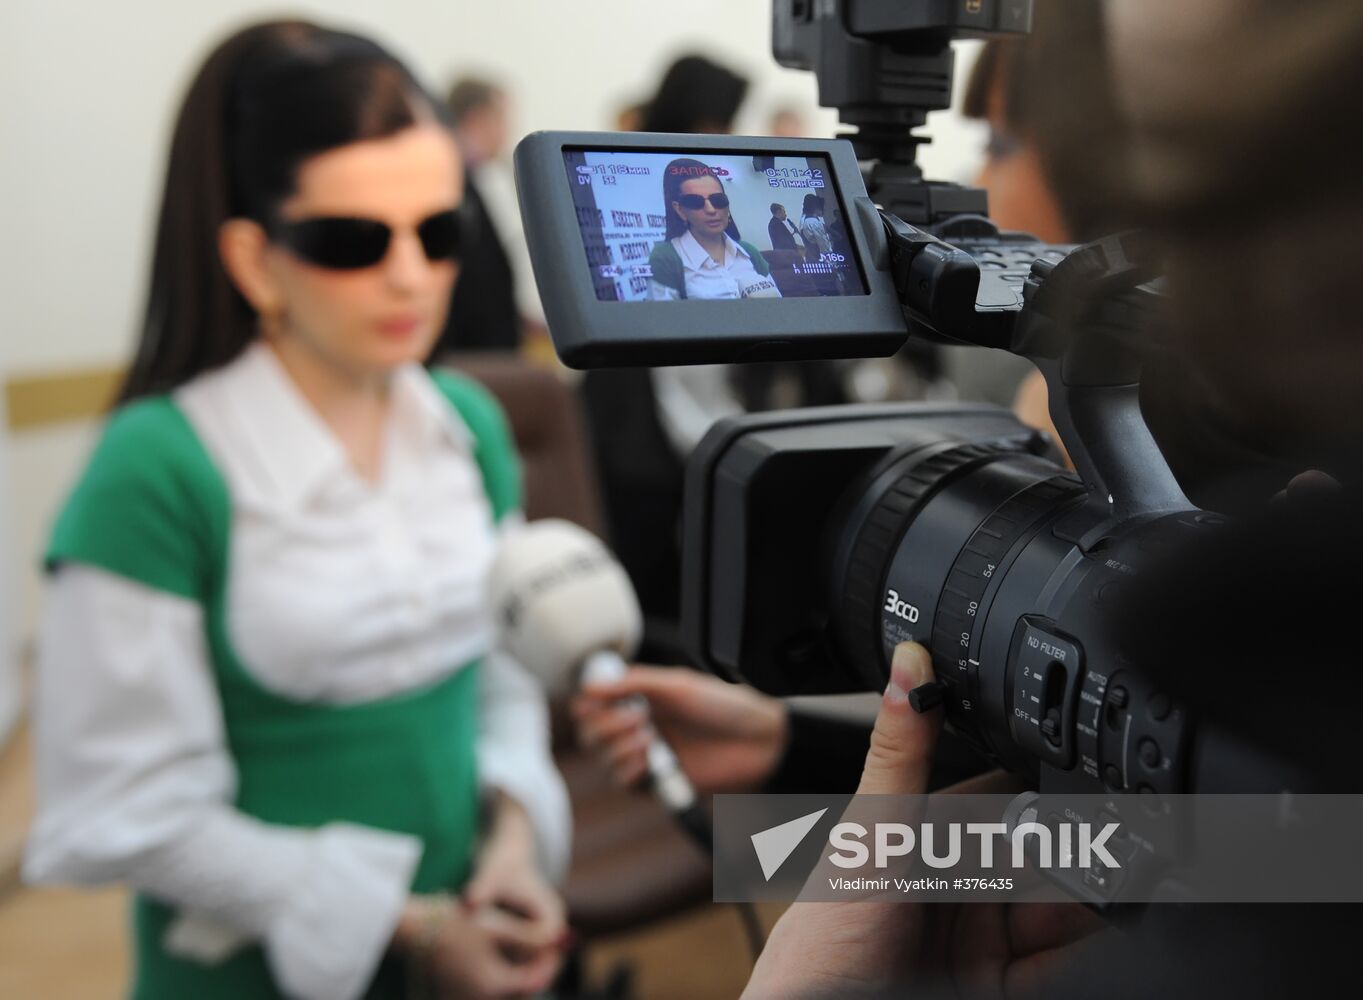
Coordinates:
[815,541]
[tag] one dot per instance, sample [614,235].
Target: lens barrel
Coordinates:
[973,550]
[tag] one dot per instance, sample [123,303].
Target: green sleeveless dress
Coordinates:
[152,507]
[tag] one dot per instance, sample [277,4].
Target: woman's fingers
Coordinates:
[903,740]
[660,685]
[627,750]
[520,935]
[531,978]
[608,725]
[619,737]
[632,771]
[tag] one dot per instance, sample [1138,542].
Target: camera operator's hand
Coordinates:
[728,738]
[873,948]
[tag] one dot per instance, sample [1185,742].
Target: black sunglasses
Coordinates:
[695,202]
[346,244]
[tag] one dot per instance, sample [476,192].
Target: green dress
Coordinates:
[151,506]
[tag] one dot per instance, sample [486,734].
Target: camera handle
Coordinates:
[1086,324]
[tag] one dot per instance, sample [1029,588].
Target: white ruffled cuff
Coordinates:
[533,781]
[328,941]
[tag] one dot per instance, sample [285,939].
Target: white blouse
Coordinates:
[706,278]
[339,592]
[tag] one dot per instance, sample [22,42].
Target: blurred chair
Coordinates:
[631,863]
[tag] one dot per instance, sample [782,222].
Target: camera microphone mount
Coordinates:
[885,65]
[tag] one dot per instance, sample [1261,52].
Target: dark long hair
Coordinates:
[265,100]
[678,172]
[695,95]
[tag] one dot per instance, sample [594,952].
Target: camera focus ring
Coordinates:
[860,599]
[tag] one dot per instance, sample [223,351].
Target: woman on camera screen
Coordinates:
[268,697]
[702,256]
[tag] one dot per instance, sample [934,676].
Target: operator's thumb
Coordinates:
[903,740]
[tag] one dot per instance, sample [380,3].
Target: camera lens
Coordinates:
[973,550]
[925,548]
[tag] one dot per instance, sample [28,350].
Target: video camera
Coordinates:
[817,540]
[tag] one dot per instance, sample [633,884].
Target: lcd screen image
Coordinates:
[667,227]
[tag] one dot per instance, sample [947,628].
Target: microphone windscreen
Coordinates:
[558,595]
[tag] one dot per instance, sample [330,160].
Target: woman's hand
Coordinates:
[505,935]
[872,948]
[507,894]
[728,737]
[462,958]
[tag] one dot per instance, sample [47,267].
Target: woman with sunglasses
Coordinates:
[267,696]
[702,256]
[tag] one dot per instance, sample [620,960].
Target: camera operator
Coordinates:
[1255,203]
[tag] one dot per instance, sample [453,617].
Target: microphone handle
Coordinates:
[670,782]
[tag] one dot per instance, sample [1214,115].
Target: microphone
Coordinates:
[565,609]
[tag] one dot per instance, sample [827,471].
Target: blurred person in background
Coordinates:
[783,233]
[788,122]
[812,227]
[1055,166]
[267,696]
[695,96]
[629,116]
[818,244]
[1060,166]
[496,306]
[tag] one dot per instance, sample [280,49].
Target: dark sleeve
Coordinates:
[775,233]
[827,755]
[822,755]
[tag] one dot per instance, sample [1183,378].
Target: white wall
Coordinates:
[11,686]
[90,88]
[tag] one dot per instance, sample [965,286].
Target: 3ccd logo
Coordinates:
[902,609]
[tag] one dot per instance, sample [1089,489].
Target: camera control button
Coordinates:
[1160,707]
[1149,752]
[1112,777]
[1050,727]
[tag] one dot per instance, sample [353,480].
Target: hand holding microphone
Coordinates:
[728,737]
[565,609]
